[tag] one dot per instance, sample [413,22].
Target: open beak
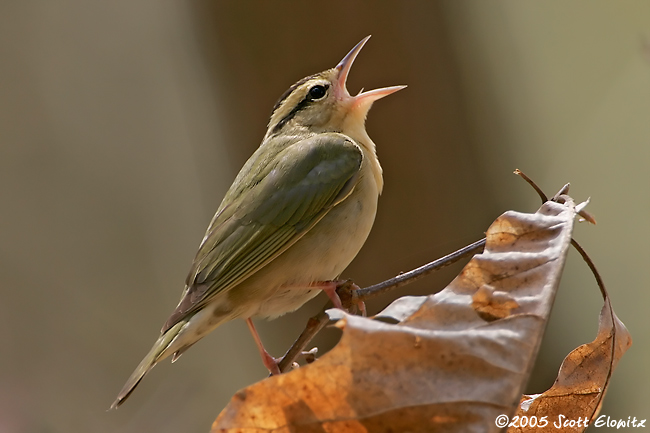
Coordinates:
[363,98]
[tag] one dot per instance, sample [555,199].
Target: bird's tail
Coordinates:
[157,353]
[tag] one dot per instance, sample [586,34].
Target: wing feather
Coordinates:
[286,196]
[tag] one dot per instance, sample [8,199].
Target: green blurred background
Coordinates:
[122,124]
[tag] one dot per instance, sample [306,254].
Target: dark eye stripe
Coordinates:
[302,104]
[288,92]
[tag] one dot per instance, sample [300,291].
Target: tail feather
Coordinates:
[157,353]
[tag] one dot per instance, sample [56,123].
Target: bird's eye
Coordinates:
[317,92]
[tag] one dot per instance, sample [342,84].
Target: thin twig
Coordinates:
[350,297]
[314,325]
[592,266]
[414,275]
[533,184]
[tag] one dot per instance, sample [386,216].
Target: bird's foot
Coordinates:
[335,288]
[271,363]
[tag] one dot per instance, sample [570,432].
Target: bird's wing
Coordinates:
[291,193]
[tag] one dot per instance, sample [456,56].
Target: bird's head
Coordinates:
[322,103]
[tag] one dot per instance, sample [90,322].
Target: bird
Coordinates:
[294,218]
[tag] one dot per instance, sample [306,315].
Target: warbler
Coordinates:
[295,216]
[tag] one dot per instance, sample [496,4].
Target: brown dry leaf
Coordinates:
[574,400]
[454,362]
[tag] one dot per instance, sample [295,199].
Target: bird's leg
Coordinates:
[330,287]
[269,362]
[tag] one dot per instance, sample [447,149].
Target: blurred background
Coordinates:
[123,123]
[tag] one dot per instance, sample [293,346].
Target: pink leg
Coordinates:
[269,362]
[329,287]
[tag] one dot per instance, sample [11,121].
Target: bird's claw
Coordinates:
[337,289]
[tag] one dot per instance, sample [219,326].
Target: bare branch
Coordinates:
[422,271]
[314,325]
[350,297]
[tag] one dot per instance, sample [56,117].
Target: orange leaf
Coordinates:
[580,387]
